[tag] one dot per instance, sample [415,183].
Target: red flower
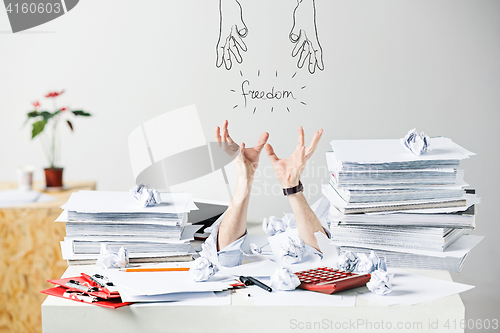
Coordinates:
[54,94]
[63,109]
[36,104]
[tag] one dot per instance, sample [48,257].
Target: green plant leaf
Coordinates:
[70,124]
[38,128]
[46,115]
[81,113]
[33,114]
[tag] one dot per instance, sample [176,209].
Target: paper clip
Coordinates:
[76,285]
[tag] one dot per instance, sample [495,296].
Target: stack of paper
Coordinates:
[150,234]
[451,259]
[462,219]
[382,175]
[382,195]
[426,238]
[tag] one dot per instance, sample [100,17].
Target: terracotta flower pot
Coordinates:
[53,177]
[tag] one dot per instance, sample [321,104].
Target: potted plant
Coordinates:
[50,139]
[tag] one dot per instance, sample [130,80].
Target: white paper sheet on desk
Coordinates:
[219,298]
[158,283]
[411,289]
[122,202]
[297,297]
[173,297]
[256,269]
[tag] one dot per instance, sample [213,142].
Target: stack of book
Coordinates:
[150,234]
[404,206]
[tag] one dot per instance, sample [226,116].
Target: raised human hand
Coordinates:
[305,36]
[289,170]
[231,33]
[246,159]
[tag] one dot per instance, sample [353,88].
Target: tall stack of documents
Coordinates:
[150,234]
[383,197]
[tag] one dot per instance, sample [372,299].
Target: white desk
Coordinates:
[60,315]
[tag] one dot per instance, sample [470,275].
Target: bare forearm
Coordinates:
[307,222]
[234,223]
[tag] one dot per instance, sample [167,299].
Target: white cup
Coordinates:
[25,178]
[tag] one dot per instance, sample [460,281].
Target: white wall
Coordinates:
[389,66]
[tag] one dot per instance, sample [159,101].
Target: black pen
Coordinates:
[248,281]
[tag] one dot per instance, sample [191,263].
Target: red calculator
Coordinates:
[328,280]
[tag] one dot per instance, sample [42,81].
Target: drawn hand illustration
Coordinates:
[305,36]
[231,33]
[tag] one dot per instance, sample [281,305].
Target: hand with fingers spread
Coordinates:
[305,36]
[231,34]
[247,159]
[233,225]
[288,170]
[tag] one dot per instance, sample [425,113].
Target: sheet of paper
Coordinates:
[256,269]
[158,283]
[329,250]
[122,202]
[220,298]
[173,297]
[321,207]
[386,151]
[411,289]
[297,297]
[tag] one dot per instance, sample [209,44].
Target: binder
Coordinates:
[86,289]
[62,292]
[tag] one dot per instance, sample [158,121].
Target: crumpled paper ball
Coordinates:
[289,221]
[145,196]
[418,144]
[108,258]
[347,261]
[380,282]
[382,264]
[292,251]
[360,263]
[273,226]
[284,279]
[203,269]
[365,264]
